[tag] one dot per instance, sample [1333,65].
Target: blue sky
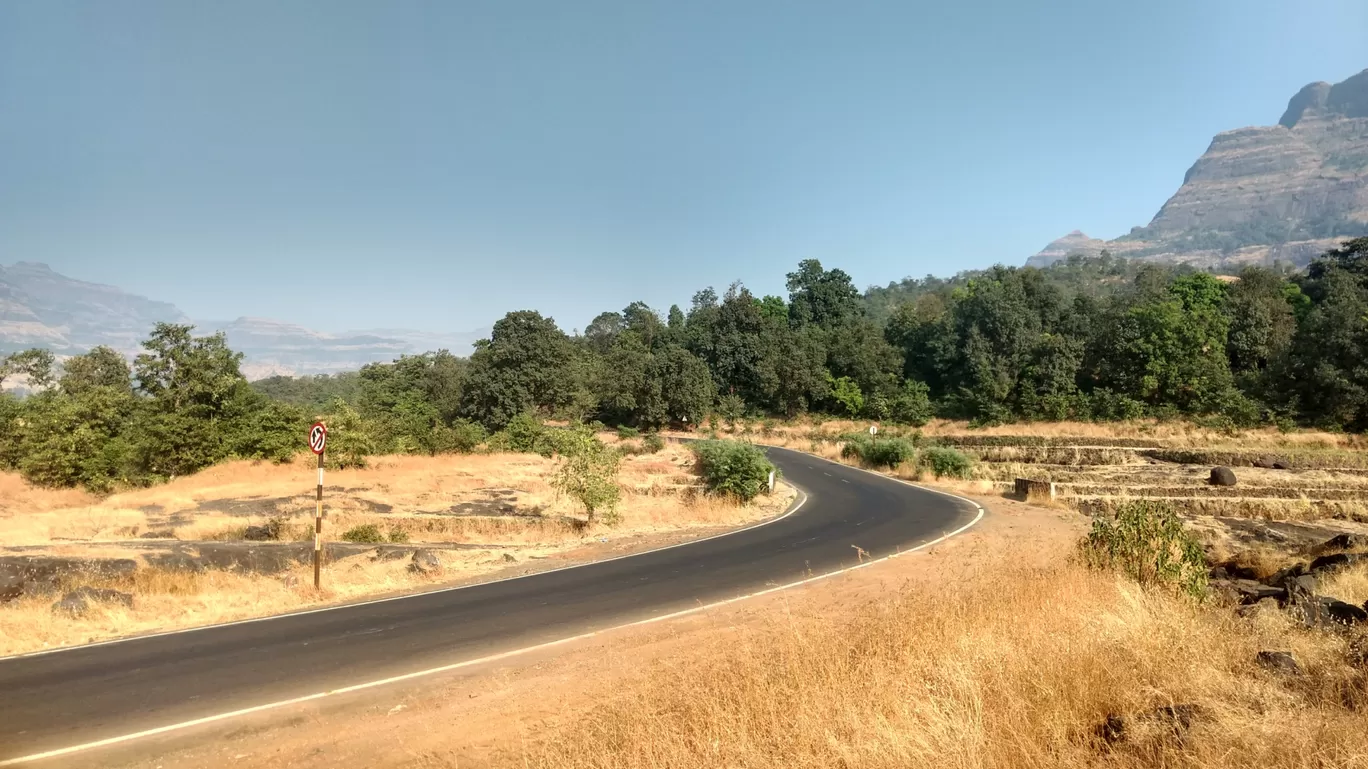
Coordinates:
[435,164]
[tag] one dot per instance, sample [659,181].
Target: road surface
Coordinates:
[87,694]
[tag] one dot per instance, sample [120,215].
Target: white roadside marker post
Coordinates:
[318,441]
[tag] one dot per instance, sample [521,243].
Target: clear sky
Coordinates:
[435,164]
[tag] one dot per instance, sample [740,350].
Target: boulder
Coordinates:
[1279,662]
[1270,463]
[43,574]
[11,587]
[77,603]
[1344,542]
[391,553]
[1336,562]
[1335,610]
[425,562]
[258,533]
[1247,591]
[1260,607]
[1222,476]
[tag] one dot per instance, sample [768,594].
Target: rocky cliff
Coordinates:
[1284,192]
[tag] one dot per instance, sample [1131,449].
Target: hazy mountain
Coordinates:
[1283,192]
[42,308]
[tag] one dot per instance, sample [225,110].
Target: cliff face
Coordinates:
[1284,192]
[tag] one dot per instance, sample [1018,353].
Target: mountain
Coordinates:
[1283,192]
[42,308]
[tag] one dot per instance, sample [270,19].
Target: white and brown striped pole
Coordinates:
[318,441]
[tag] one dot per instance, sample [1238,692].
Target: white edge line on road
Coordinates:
[513,653]
[793,509]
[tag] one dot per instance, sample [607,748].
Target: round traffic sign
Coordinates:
[318,437]
[873,429]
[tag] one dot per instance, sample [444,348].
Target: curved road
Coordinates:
[66,698]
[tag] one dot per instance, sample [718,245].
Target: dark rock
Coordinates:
[1247,591]
[77,602]
[509,557]
[1279,662]
[425,562]
[44,575]
[1336,562]
[1344,542]
[1243,572]
[11,587]
[1335,610]
[1295,571]
[158,534]
[175,561]
[1219,573]
[391,553]
[1222,476]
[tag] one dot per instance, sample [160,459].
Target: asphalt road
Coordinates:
[86,694]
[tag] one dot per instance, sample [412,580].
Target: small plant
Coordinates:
[652,443]
[733,468]
[946,463]
[627,433]
[398,536]
[366,533]
[1147,543]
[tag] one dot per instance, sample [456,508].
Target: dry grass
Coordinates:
[1349,585]
[1015,672]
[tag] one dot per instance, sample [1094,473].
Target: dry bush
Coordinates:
[1019,670]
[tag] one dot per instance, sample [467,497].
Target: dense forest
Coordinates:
[1085,339]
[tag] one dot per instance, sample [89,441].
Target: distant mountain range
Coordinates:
[42,308]
[1285,192]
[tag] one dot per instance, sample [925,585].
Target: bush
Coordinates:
[652,443]
[561,440]
[946,463]
[912,404]
[890,452]
[366,533]
[588,473]
[1146,542]
[627,433]
[398,535]
[462,437]
[878,452]
[733,468]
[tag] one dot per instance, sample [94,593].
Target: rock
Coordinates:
[1335,610]
[11,587]
[509,558]
[391,553]
[77,602]
[1247,591]
[1279,662]
[1218,574]
[1027,488]
[1328,563]
[1344,542]
[1222,476]
[425,562]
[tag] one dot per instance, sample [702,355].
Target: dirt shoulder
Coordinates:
[484,715]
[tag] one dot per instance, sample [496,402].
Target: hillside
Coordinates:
[43,308]
[1259,194]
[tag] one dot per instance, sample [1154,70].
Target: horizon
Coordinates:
[431,168]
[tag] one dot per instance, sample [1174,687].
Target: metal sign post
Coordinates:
[318,441]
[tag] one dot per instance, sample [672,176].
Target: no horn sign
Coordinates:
[318,438]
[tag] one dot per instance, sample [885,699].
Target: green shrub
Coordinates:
[520,436]
[946,463]
[652,443]
[733,468]
[857,446]
[889,452]
[367,533]
[588,474]
[398,535]
[461,437]
[1147,542]
[627,433]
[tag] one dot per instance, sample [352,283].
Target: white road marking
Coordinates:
[508,654]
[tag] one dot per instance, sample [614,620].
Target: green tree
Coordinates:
[526,364]
[587,473]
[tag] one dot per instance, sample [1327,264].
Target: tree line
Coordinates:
[1085,339]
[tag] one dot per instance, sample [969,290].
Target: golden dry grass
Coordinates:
[1018,671]
[1349,585]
